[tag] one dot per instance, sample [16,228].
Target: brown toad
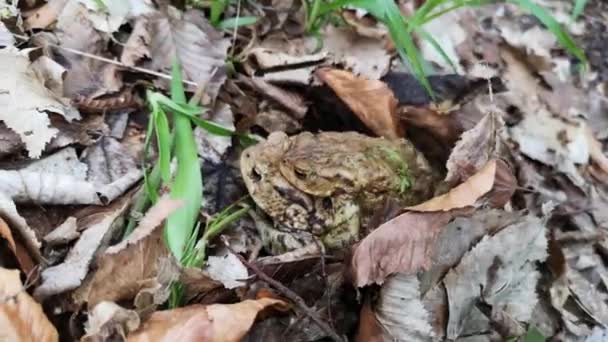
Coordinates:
[327,185]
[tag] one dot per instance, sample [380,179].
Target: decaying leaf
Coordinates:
[211,146]
[404,244]
[9,213]
[554,141]
[266,58]
[494,181]
[365,57]
[52,180]
[113,13]
[401,311]
[86,77]
[501,268]
[64,233]
[228,270]
[372,101]
[217,322]
[71,272]
[26,264]
[475,148]
[448,33]
[198,46]
[109,321]
[124,269]
[24,100]
[21,318]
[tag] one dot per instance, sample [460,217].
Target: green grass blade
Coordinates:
[562,36]
[188,184]
[163,138]
[232,23]
[579,7]
[428,37]
[217,9]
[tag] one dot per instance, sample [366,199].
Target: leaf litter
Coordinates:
[511,244]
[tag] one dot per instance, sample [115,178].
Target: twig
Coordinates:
[110,61]
[291,295]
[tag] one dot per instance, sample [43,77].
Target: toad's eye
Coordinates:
[300,174]
[255,175]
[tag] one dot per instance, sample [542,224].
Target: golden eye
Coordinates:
[300,174]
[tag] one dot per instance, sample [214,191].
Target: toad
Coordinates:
[326,186]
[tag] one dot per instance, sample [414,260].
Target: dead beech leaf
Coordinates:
[27,117]
[110,322]
[25,261]
[125,268]
[502,269]
[198,46]
[217,322]
[21,318]
[371,100]
[475,148]
[595,151]
[404,244]
[365,56]
[369,327]
[401,311]
[71,272]
[495,180]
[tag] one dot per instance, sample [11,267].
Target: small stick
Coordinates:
[291,295]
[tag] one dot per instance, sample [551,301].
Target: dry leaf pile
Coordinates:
[515,239]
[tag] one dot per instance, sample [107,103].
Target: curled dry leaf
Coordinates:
[125,268]
[494,182]
[217,322]
[21,318]
[52,180]
[371,100]
[25,261]
[27,117]
[595,151]
[404,244]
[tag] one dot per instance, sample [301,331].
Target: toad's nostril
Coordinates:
[255,175]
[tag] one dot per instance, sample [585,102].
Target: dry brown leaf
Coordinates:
[45,15]
[369,329]
[502,269]
[21,318]
[124,269]
[69,274]
[110,322]
[495,180]
[200,48]
[404,244]
[372,101]
[401,312]
[364,56]
[85,77]
[595,151]
[475,148]
[217,322]
[26,264]
[27,117]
